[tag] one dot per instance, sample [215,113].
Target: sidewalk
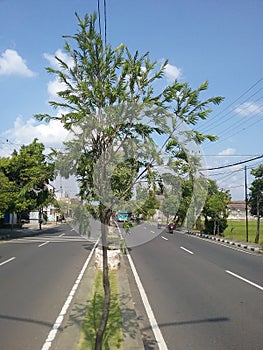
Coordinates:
[27,230]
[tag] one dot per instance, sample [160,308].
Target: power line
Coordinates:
[105,20]
[211,120]
[234,164]
[98,5]
[105,24]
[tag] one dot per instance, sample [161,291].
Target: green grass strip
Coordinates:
[113,337]
[237,230]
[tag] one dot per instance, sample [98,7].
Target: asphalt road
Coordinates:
[203,295]
[36,276]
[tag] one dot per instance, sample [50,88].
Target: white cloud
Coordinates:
[227,152]
[172,72]
[51,134]
[12,63]
[249,108]
[55,85]
[61,55]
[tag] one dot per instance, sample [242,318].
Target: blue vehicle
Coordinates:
[122,215]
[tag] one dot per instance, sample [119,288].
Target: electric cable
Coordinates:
[231,165]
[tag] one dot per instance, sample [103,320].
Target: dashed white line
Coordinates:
[7,261]
[41,245]
[186,250]
[166,239]
[244,279]
[62,234]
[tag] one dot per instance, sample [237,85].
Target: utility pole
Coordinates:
[246,200]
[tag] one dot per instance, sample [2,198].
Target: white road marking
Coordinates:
[155,328]
[41,245]
[164,238]
[52,334]
[7,261]
[62,234]
[245,280]
[52,239]
[224,244]
[152,232]
[186,250]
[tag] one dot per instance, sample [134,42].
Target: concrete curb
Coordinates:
[248,246]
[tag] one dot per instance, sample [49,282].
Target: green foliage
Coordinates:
[23,177]
[256,197]
[149,206]
[256,192]
[81,218]
[215,209]
[104,77]
[113,338]
[115,116]
[7,194]
[170,205]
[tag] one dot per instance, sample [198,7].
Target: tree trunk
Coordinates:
[258,228]
[214,229]
[106,283]
[258,222]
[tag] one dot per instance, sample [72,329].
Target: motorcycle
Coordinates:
[171,228]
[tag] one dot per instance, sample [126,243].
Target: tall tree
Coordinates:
[256,197]
[115,117]
[215,209]
[7,194]
[27,172]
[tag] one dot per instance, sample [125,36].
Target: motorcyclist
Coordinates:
[171,227]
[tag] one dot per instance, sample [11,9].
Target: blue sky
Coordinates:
[216,40]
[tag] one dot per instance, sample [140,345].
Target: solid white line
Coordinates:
[52,334]
[226,245]
[7,261]
[244,279]
[41,245]
[186,250]
[155,328]
[164,238]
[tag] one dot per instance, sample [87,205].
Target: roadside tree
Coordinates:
[115,117]
[169,206]
[256,197]
[25,175]
[215,209]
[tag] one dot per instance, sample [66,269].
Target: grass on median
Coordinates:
[113,337]
[237,230]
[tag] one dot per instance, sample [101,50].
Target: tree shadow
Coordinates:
[27,320]
[191,322]
[86,317]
